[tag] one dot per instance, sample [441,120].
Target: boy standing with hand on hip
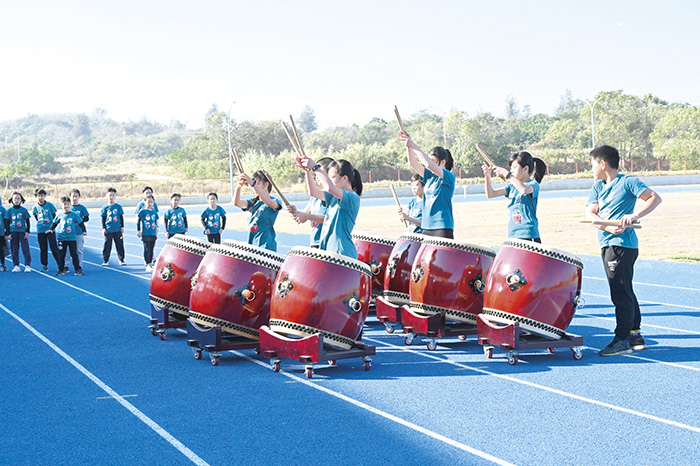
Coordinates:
[614,197]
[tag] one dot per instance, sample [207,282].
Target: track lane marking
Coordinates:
[648,284]
[192,456]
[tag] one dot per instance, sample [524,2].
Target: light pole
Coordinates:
[593,121]
[230,150]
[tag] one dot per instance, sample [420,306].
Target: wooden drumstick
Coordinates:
[274,186]
[612,223]
[237,161]
[486,157]
[396,198]
[291,139]
[296,134]
[398,118]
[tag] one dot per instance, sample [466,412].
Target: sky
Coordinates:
[350,61]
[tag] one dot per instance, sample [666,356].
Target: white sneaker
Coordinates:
[105,264]
[16,269]
[149,268]
[122,263]
[27,269]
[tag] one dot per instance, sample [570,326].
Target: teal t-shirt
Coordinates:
[213,219]
[614,201]
[44,215]
[339,221]
[3,211]
[415,210]
[318,207]
[112,215]
[148,221]
[262,220]
[19,219]
[437,200]
[175,221]
[66,225]
[82,211]
[142,205]
[522,212]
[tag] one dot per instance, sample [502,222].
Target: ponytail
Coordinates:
[260,174]
[443,154]
[345,168]
[536,165]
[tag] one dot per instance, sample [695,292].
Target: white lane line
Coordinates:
[383,414]
[683,306]
[192,456]
[670,329]
[548,389]
[648,284]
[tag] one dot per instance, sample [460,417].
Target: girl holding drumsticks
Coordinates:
[342,187]
[435,172]
[263,210]
[522,191]
[414,214]
[314,212]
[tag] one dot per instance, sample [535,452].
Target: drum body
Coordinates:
[175,267]
[321,292]
[534,285]
[233,288]
[375,252]
[449,277]
[399,267]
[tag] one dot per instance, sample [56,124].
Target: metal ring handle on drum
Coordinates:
[515,280]
[417,273]
[578,301]
[393,264]
[355,305]
[284,286]
[167,273]
[249,295]
[376,269]
[477,284]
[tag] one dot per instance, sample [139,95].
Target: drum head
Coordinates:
[331,257]
[544,250]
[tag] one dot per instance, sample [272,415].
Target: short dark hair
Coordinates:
[146,189]
[216,196]
[65,199]
[38,191]
[608,154]
[111,190]
[176,195]
[75,190]
[416,177]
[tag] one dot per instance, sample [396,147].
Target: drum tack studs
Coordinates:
[284,287]
[515,280]
[477,284]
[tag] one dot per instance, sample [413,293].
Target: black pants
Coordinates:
[63,245]
[215,238]
[17,241]
[149,244]
[118,239]
[2,249]
[440,232]
[46,241]
[619,268]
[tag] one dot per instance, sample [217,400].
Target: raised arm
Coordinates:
[488,187]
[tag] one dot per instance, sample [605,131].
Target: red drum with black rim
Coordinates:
[319,292]
[171,278]
[448,277]
[535,285]
[397,276]
[375,252]
[233,288]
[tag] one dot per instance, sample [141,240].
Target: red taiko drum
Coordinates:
[398,270]
[448,277]
[375,252]
[319,292]
[233,288]
[535,285]
[176,266]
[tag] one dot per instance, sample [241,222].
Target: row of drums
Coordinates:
[241,287]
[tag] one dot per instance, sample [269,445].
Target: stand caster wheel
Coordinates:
[462,337]
[366,364]
[408,339]
[215,360]
[257,351]
[578,354]
[551,350]
[309,372]
[488,352]
[331,362]
[153,331]
[432,345]
[198,354]
[512,359]
[275,366]
[390,328]
[162,335]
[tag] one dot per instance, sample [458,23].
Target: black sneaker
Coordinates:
[637,342]
[60,272]
[79,272]
[616,348]
[3,267]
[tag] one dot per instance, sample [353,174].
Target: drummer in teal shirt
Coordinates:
[522,191]
[342,187]
[414,216]
[434,170]
[263,210]
[315,212]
